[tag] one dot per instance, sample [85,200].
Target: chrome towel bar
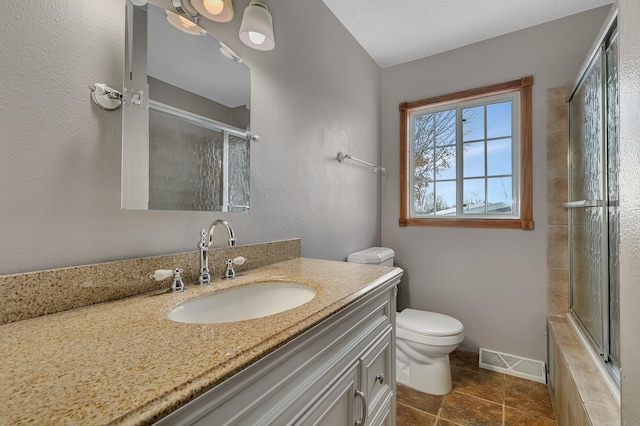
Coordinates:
[340,157]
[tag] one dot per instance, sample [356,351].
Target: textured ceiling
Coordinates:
[394,32]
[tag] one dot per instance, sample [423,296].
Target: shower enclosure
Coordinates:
[594,231]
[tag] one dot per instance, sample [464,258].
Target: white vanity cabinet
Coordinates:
[326,376]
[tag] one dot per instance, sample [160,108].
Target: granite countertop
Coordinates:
[125,362]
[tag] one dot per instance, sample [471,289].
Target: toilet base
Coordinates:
[434,379]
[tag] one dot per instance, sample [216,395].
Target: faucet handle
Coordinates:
[177,286]
[204,239]
[230,273]
[161,274]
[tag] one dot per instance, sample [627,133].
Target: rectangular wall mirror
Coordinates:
[186,118]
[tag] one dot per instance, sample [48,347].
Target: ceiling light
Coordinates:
[184,24]
[214,10]
[185,18]
[256,30]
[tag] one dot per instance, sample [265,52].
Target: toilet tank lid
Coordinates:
[371,255]
[428,323]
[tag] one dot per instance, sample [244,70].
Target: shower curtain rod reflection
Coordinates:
[342,156]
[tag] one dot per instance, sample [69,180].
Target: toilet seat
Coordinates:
[428,327]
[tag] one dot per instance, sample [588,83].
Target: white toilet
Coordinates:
[424,339]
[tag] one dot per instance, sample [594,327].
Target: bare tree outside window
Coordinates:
[434,156]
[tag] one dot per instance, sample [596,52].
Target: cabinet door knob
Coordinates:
[380,378]
[363,398]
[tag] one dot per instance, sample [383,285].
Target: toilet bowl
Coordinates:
[424,339]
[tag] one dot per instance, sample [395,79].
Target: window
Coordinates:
[466,158]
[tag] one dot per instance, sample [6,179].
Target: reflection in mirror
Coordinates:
[186,125]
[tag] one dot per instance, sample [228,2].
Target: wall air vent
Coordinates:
[513,365]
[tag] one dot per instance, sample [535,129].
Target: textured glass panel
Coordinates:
[423,203]
[445,127]
[613,169]
[499,120]
[187,178]
[473,196]
[446,198]
[499,195]
[499,160]
[446,163]
[238,173]
[586,175]
[423,131]
[473,159]
[473,123]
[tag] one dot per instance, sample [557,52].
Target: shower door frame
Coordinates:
[608,34]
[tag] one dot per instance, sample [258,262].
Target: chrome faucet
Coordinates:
[206,239]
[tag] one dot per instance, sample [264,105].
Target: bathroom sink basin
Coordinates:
[243,303]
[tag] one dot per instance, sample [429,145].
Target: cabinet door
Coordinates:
[377,373]
[337,406]
[386,415]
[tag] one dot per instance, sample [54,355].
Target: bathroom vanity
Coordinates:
[328,361]
[330,375]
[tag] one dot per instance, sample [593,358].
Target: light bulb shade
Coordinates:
[256,30]
[214,10]
[184,24]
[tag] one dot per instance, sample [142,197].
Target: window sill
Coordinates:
[470,223]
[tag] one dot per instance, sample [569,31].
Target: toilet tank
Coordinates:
[382,256]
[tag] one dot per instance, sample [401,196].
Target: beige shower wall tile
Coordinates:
[590,384]
[557,110]
[557,247]
[558,95]
[556,195]
[561,330]
[557,151]
[575,354]
[557,292]
[600,416]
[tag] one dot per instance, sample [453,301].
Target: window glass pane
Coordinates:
[423,202]
[499,195]
[445,127]
[423,165]
[473,159]
[473,196]
[473,123]
[445,200]
[423,131]
[499,159]
[499,120]
[445,163]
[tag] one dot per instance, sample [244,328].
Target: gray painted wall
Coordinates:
[628,19]
[494,281]
[317,93]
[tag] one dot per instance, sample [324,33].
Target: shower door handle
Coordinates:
[583,204]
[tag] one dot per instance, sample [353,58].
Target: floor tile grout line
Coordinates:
[469,360]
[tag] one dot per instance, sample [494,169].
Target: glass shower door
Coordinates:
[613,170]
[594,231]
[587,219]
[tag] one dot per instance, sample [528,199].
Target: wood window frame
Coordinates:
[525,221]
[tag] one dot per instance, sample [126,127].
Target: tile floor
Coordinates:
[479,397]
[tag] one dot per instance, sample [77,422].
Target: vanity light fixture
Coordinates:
[214,10]
[256,30]
[185,18]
